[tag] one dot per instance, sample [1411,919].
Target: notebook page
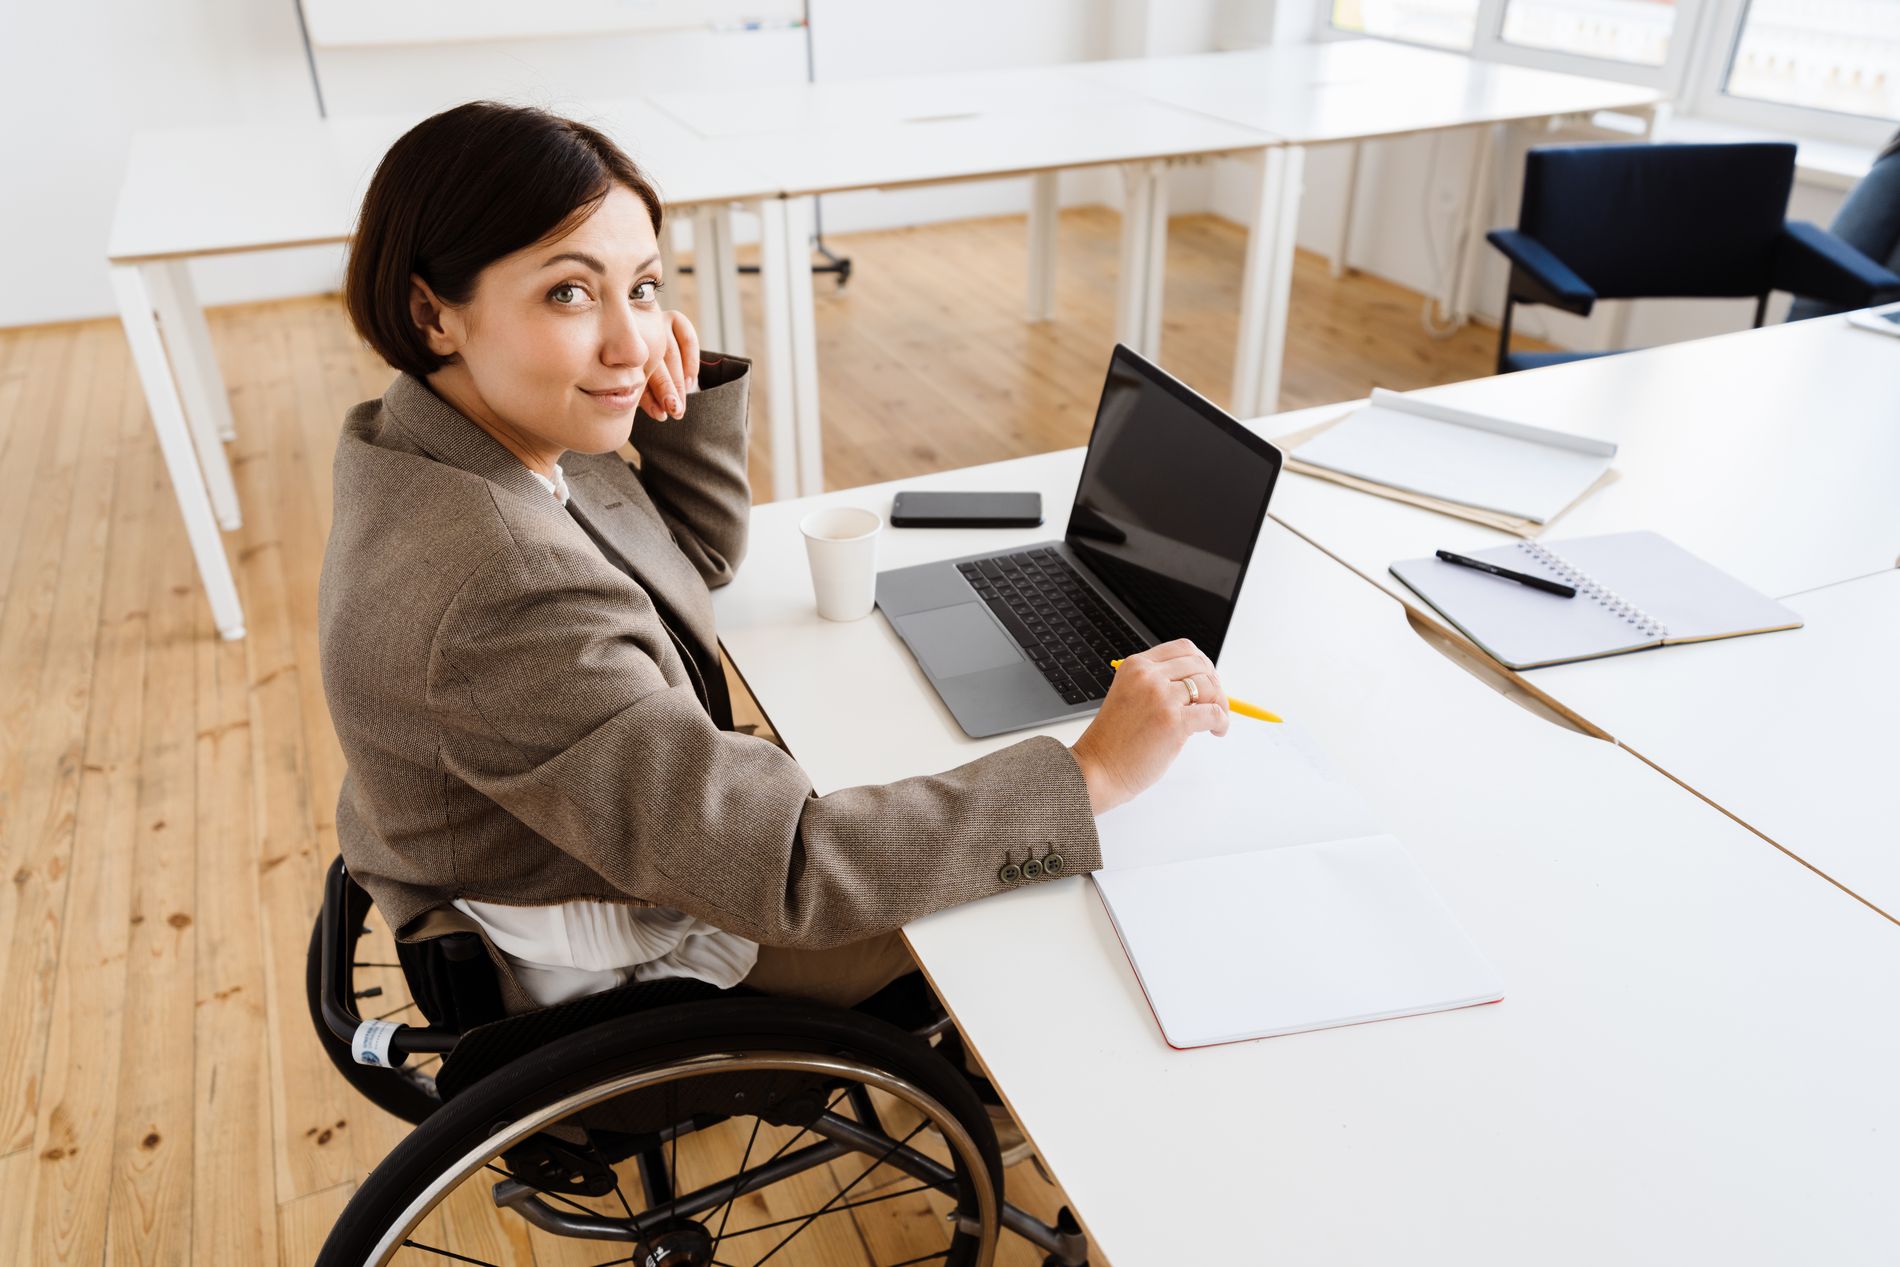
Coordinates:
[1454,462]
[1262,785]
[1306,937]
[1519,626]
[1689,598]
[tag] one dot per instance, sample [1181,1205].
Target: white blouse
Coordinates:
[571,949]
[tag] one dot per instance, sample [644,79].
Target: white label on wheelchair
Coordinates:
[370,1046]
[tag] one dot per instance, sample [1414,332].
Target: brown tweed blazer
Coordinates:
[520,728]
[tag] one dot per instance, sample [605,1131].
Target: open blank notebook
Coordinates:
[1255,896]
[1635,590]
[1456,456]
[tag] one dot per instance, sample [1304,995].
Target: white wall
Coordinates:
[77,77]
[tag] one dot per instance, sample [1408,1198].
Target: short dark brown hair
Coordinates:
[457,192]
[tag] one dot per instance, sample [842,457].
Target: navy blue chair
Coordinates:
[1668,221]
[1868,221]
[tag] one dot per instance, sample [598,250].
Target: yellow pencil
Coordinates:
[1240,706]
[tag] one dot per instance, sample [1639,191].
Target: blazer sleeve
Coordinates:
[550,702]
[694,468]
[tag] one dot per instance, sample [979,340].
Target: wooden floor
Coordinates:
[167,799]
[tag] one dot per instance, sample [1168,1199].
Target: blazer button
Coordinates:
[1032,870]
[1010,873]
[1053,864]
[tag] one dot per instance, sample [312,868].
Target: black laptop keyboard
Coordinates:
[1067,631]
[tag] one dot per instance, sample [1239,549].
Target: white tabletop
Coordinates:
[259,186]
[1795,733]
[1350,90]
[888,133]
[1770,453]
[1693,1061]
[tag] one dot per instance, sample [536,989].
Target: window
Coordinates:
[1836,55]
[1441,23]
[1633,31]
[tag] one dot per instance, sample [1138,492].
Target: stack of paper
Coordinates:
[1255,896]
[1433,453]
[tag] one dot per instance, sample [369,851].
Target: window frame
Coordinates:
[1694,77]
[1705,94]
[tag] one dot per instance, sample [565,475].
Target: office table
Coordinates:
[1693,1061]
[897,132]
[1770,453]
[235,188]
[1349,91]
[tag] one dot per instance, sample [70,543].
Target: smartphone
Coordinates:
[966,510]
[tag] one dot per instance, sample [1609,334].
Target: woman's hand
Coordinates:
[672,368]
[1146,718]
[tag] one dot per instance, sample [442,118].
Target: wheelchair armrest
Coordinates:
[1812,262]
[1538,276]
[344,906]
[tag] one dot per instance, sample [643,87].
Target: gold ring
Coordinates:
[1194,692]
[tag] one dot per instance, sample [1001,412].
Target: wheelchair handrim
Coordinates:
[722,1062]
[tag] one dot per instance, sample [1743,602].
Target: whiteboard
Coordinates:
[355,23]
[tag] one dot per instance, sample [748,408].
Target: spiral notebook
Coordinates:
[1635,590]
[1256,896]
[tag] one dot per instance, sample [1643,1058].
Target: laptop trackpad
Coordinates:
[952,641]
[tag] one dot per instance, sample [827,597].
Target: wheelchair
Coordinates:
[659,1124]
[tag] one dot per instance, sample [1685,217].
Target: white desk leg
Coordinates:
[194,359]
[187,344]
[1044,212]
[728,262]
[1342,244]
[799,219]
[1478,218]
[174,443]
[776,288]
[1267,283]
[1144,224]
[1154,261]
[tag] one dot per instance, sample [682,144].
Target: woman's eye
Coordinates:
[567,293]
[646,292]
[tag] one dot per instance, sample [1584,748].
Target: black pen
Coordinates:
[1535,582]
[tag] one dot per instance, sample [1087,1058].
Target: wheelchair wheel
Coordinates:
[712,1134]
[408,1093]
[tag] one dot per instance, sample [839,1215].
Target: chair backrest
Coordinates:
[1637,221]
[1868,221]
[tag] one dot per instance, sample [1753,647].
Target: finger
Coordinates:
[1208,717]
[660,388]
[676,390]
[688,339]
[1206,689]
[1171,651]
[1189,666]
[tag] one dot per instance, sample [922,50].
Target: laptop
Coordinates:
[1172,497]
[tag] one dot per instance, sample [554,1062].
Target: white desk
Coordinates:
[1771,453]
[1348,91]
[1693,1062]
[235,188]
[937,129]
[1797,734]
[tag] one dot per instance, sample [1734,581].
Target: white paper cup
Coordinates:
[841,545]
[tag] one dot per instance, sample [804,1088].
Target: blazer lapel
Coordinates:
[632,530]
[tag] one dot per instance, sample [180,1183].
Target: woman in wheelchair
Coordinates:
[628,924]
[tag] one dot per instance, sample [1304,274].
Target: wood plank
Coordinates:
[312,1106]
[303,1224]
[64,577]
[151,1197]
[95,843]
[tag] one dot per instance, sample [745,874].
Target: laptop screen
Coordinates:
[1172,498]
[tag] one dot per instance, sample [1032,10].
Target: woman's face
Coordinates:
[554,348]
